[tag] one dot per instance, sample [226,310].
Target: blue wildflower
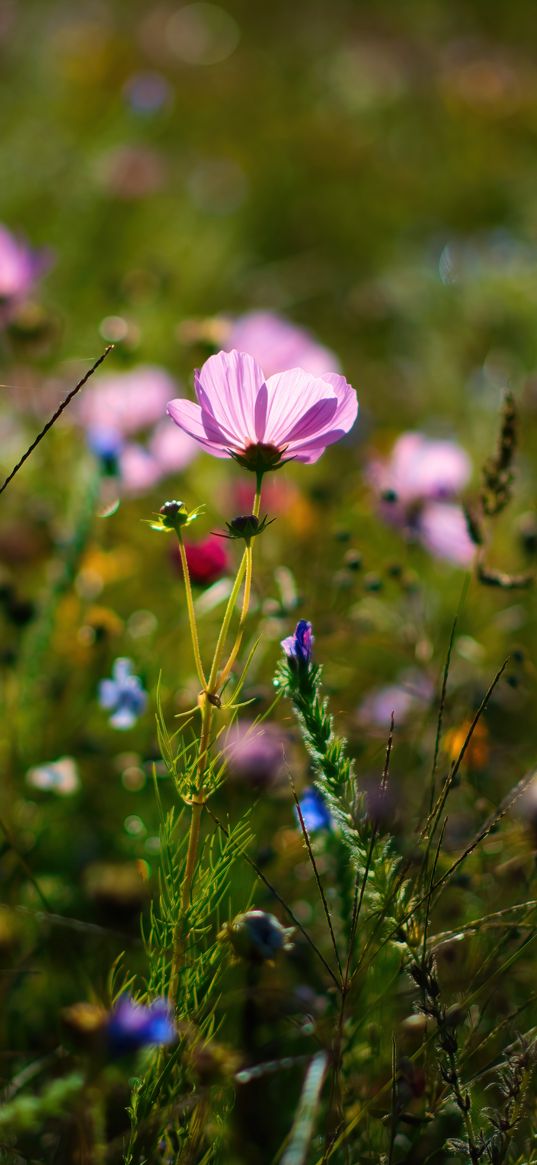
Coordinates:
[314,810]
[298,647]
[106,445]
[123,695]
[131,1025]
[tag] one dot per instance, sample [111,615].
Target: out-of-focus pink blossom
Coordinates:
[138,470]
[278,344]
[172,449]
[254,753]
[418,484]
[20,268]
[413,691]
[420,469]
[126,402]
[264,422]
[120,406]
[444,531]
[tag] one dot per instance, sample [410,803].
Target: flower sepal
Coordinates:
[246,527]
[260,458]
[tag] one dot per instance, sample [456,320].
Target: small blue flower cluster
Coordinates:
[123,695]
[132,1026]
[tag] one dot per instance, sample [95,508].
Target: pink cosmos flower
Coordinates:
[264,422]
[277,344]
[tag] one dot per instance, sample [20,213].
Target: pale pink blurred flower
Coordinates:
[126,402]
[121,405]
[420,469]
[138,470]
[20,268]
[262,423]
[278,344]
[412,691]
[418,484]
[444,531]
[172,449]
[254,753]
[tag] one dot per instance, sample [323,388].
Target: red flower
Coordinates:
[207,560]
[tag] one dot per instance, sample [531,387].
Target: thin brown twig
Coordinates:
[320,886]
[52,421]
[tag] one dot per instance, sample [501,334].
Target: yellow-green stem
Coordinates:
[213,676]
[244,612]
[208,706]
[191,612]
[249,559]
[207,710]
[192,851]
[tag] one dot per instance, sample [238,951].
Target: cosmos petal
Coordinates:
[227,386]
[189,417]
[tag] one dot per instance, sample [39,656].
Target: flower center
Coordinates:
[260,457]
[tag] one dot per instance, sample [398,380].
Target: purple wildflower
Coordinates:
[133,1025]
[298,647]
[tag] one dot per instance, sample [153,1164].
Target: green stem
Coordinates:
[178,932]
[208,704]
[249,560]
[211,686]
[244,613]
[257,498]
[191,612]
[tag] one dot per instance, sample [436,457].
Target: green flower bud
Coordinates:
[246,526]
[174,515]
